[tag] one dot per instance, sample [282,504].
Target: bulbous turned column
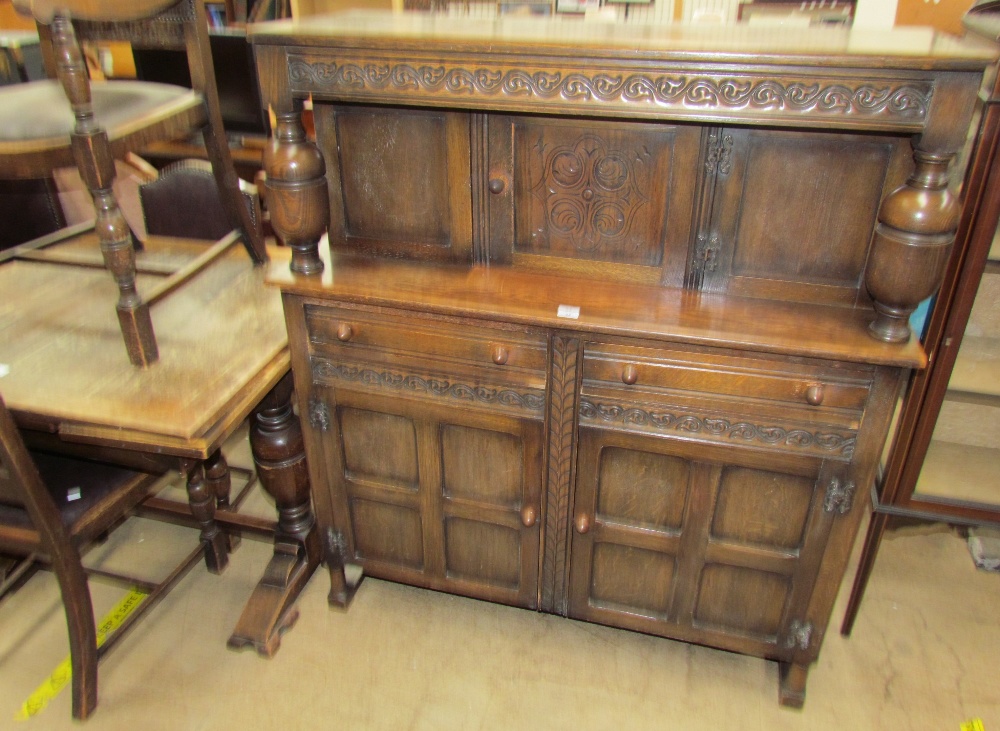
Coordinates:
[297,195]
[913,237]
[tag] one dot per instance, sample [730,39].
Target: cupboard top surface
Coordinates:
[605,308]
[899,48]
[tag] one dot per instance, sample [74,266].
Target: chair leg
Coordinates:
[221,158]
[82,632]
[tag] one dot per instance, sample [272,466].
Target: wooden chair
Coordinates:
[50,507]
[47,124]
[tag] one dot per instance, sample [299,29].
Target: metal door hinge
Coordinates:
[799,635]
[839,496]
[319,415]
[720,153]
[706,254]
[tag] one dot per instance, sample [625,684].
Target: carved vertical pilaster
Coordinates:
[563,398]
[913,237]
[296,192]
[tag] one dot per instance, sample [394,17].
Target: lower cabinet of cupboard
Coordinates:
[705,494]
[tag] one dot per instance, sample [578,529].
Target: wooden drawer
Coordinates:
[794,405]
[722,373]
[387,336]
[419,357]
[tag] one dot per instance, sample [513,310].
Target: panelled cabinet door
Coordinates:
[398,181]
[714,545]
[790,214]
[607,198]
[436,496]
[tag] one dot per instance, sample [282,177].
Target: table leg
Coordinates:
[278,451]
[219,482]
[201,498]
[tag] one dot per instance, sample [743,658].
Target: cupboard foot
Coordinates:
[792,684]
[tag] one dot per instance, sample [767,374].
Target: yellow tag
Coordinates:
[976,724]
[61,676]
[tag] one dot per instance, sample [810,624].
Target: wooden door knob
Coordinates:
[630,374]
[528,516]
[500,355]
[815,393]
[496,185]
[582,523]
[344,332]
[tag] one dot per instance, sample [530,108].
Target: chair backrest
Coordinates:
[165,24]
[184,201]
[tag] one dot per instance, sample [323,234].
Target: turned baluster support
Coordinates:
[201,499]
[916,228]
[297,195]
[92,154]
[279,455]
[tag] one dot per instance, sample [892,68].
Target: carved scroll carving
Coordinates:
[718,427]
[565,364]
[895,100]
[530,400]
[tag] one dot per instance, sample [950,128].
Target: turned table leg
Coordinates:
[219,482]
[278,452]
[202,500]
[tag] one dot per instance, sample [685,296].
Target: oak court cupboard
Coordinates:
[612,318]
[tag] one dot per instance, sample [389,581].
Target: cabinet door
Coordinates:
[436,497]
[398,181]
[431,448]
[710,545]
[612,199]
[792,213]
[708,484]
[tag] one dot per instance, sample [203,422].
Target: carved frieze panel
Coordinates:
[682,92]
[382,378]
[801,438]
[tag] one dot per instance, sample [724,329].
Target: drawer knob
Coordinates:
[528,516]
[496,185]
[344,332]
[815,393]
[582,523]
[500,355]
[630,374]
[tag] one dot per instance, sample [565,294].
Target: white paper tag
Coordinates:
[73,494]
[4,370]
[570,312]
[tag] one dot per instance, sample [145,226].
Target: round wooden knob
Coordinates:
[528,516]
[496,186]
[630,374]
[582,523]
[500,355]
[344,332]
[815,393]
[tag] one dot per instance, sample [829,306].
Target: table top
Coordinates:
[221,337]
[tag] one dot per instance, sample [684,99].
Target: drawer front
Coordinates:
[390,351]
[713,395]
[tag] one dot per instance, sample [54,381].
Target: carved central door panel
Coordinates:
[711,545]
[609,197]
[752,242]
